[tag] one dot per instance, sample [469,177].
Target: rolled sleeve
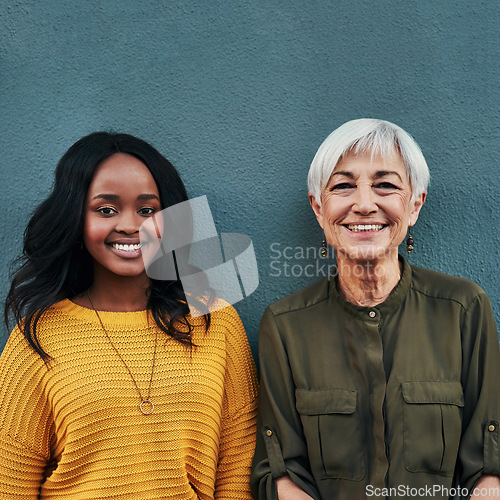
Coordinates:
[491,449]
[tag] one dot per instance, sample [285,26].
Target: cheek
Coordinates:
[400,208]
[331,211]
[94,231]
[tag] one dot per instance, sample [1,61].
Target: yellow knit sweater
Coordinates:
[78,424]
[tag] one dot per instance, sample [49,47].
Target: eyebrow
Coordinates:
[383,173]
[378,174]
[345,174]
[112,197]
[148,197]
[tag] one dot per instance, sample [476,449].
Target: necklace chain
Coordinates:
[146,406]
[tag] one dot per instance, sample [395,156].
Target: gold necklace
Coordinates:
[146,406]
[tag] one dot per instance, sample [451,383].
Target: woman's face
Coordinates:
[366,207]
[122,195]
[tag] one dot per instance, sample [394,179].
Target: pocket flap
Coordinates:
[325,401]
[449,393]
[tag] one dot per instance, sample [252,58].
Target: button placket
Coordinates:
[376,373]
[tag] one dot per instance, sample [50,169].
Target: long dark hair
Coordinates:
[54,264]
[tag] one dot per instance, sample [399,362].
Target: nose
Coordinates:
[128,222]
[365,200]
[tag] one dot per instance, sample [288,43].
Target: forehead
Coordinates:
[122,173]
[370,163]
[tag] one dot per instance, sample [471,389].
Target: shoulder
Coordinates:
[225,323]
[16,341]
[50,320]
[19,363]
[223,314]
[63,311]
[434,284]
[308,297]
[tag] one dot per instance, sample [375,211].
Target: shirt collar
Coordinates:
[390,304]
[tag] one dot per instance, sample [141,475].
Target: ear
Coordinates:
[417,205]
[317,208]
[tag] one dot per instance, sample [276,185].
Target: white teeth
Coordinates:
[365,227]
[127,248]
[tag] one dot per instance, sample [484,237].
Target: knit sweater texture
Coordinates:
[73,429]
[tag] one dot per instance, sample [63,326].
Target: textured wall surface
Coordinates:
[239,95]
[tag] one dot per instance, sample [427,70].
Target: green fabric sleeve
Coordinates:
[479,452]
[281,446]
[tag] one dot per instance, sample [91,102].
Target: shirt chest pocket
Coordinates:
[332,430]
[432,425]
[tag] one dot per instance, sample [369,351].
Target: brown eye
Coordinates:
[106,211]
[147,211]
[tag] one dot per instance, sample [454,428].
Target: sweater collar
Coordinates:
[135,319]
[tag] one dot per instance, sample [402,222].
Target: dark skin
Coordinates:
[122,195]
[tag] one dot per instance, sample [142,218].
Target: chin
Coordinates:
[132,274]
[368,253]
[126,273]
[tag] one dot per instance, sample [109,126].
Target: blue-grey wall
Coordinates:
[239,95]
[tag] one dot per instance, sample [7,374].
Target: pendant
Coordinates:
[149,406]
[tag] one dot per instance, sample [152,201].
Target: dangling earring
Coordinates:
[324,248]
[410,241]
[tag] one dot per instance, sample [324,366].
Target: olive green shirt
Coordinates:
[400,399]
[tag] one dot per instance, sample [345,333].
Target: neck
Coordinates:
[367,283]
[116,293]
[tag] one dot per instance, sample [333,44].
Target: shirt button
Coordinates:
[491,428]
[269,433]
[372,314]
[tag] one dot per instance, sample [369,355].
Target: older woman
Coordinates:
[383,381]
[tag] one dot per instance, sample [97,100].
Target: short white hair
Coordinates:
[367,135]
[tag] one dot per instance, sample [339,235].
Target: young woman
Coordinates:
[108,388]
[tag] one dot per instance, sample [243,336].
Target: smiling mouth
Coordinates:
[357,228]
[127,248]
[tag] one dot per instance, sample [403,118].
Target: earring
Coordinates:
[409,242]
[324,248]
